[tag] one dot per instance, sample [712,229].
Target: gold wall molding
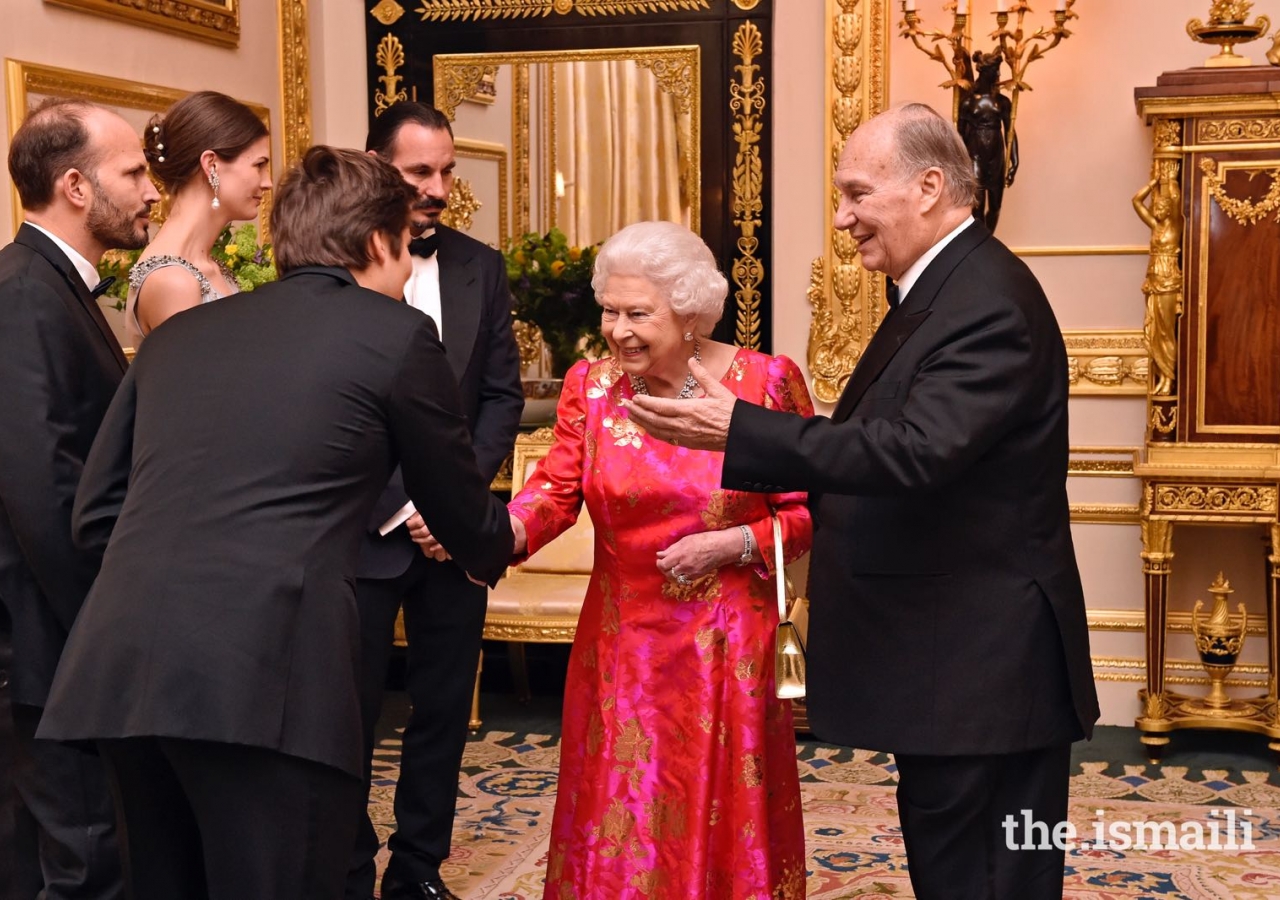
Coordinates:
[388,12]
[746,103]
[390,56]
[1212,131]
[1094,462]
[848,302]
[491,152]
[295,80]
[520,144]
[1135,620]
[1110,363]
[215,21]
[1105,513]
[462,10]
[1101,250]
[1133,669]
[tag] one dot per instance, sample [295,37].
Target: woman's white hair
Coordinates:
[678,263]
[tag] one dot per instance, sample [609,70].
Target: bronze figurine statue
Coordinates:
[985,122]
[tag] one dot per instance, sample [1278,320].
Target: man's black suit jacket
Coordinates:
[233,475]
[59,367]
[475,304]
[947,615]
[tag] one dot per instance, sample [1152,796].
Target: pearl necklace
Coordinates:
[638,385]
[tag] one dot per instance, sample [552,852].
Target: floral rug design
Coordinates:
[508,784]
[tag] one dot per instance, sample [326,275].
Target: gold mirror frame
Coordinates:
[676,68]
[215,21]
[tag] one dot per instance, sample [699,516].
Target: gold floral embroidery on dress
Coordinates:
[614,831]
[602,376]
[712,642]
[748,831]
[595,733]
[737,369]
[624,431]
[752,771]
[747,669]
[725,508]
[797,394]
[555,865]
[632,745]
[667,817]
[705,588]
[791,886]
[589,445]
[610,616]
[646,881]
[589,658]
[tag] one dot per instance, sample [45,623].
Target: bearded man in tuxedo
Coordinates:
[462,285]
[82,180]
[942,545]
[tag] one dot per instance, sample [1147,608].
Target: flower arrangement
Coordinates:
[551,285]
[252,264]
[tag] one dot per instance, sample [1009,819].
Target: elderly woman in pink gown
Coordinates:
[678,776]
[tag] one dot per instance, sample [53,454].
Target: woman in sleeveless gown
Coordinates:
[211,154]
[678,777]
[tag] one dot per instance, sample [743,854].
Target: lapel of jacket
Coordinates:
[36,240]
[460,299]
[901,323]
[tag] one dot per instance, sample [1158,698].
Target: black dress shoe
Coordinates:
[432,889]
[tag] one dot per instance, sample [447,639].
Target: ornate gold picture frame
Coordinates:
[215,21]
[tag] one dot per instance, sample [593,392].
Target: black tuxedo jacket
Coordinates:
[475,303]
[947,612]
[59,367]
[233,475]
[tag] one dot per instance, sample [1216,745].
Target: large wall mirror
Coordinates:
[603,114]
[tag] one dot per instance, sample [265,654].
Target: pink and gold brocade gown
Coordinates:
[678,777]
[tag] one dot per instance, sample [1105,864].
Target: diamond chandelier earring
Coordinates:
[688,335]
[214,183]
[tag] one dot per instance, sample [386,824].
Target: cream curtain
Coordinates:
[618,148]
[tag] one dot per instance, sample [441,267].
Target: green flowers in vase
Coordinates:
[551,286]
[252,264]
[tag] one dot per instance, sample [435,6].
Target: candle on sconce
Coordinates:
[1062,5]
[908,5]
[1000,6]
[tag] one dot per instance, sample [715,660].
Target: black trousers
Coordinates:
[59,825]
[211,821]
[20,877]
[443,619]
[953,809]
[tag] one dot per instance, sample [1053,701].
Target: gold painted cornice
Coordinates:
[1103,462]
[462,10]
[1151,108]
[216,23]
[1107,363]
[1105,513]
[1136,620]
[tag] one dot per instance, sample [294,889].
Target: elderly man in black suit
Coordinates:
[462,285]
[82,180]
[948,620]
[216,659]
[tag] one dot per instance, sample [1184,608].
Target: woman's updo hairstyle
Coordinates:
[676,261]
[205,120]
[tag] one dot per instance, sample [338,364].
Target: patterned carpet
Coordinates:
[508,785]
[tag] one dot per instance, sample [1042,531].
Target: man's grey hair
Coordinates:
[925,140]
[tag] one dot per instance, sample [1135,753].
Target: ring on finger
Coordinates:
[683,580]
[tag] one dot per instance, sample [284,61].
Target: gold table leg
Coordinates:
[1157,563]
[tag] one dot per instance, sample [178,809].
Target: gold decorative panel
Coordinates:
[216,21]
[848,302]
[447,10]
[1108,363]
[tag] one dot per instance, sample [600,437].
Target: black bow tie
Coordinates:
[425,246]
[102,286]
[891,293]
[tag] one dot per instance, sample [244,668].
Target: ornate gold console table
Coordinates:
[1212,327]
[1206,485]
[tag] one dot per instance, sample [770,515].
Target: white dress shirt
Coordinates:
[422,290]
[88,271]
[913,273]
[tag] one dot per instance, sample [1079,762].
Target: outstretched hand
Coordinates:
[701,423]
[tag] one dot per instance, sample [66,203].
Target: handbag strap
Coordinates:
[780,571]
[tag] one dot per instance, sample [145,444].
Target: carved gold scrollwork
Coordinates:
[1212,131]
[1168,134]
[674,76]
[1154,707]
[1164,418]
[1246,212]
[448,10]
[388,12]
[840,284]
[746,102]
[295,82]
[463,205]
[391,57]
[1194,498]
